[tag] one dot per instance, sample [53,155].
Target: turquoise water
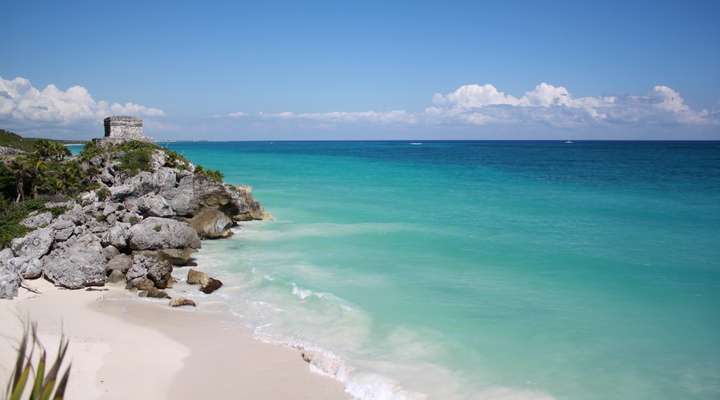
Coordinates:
[483,270]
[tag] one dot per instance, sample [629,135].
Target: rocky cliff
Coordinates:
[134,228]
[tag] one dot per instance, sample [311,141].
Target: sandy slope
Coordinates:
[124,348]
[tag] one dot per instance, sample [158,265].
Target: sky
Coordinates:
[341,70]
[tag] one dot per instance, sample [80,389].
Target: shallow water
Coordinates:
[483,270]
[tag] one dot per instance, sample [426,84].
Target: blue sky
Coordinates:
[364,70]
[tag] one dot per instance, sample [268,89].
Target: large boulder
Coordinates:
[211,223]
[154,206]
[117,235]
[63,229]
[162,233]
[76,263]
[28,268]
[33,245]
[38,220]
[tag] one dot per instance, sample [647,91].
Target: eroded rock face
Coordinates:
[211,223]
[162,233]
[33,245]
[155,206]
[38,220]
[76,263]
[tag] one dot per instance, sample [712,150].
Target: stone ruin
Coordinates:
[119,128]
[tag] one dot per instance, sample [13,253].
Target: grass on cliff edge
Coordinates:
[11,139]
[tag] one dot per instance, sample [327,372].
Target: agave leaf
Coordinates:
[60,392]
[52,373]
[39,377]
[20,386]
[20,358]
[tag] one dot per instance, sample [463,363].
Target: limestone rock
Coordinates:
[141,283]
[64,228]
[110,251]
[155,206]
[120,192]
[161,233]
[181,301]
[76,263]
[211,223]
[207,284]
[9,282]
[160,273]
[33,245]
[5,255]
[117,235]
[211,285]
[28,268]
[154,293]
[37,220]
[176,257]
[195,277]
[116,277]
[121,262]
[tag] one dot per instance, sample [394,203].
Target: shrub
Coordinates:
[215,175]
[11,214]
[103,193]
[43,384]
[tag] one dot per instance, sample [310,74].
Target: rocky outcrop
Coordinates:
[211,223]
[162,233]
[130,230]
[76,263]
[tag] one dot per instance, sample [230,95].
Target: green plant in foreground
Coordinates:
[43,386]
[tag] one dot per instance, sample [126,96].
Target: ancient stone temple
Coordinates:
[121,127]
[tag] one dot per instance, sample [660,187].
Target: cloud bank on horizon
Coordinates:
[470,107]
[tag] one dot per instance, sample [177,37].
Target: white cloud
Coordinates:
[238,114]
[381,117]
[556,106]
[21,102]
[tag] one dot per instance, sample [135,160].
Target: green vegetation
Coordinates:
[46,172]
[11,139]
[213,174]
[43,386]
[10,216]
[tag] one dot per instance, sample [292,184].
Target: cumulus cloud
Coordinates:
[545,105]
[556,106]
[21,102]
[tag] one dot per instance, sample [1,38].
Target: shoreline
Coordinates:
[122,346]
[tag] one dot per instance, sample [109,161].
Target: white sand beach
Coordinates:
[122,347]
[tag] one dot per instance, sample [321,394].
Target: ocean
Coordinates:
[482,269]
